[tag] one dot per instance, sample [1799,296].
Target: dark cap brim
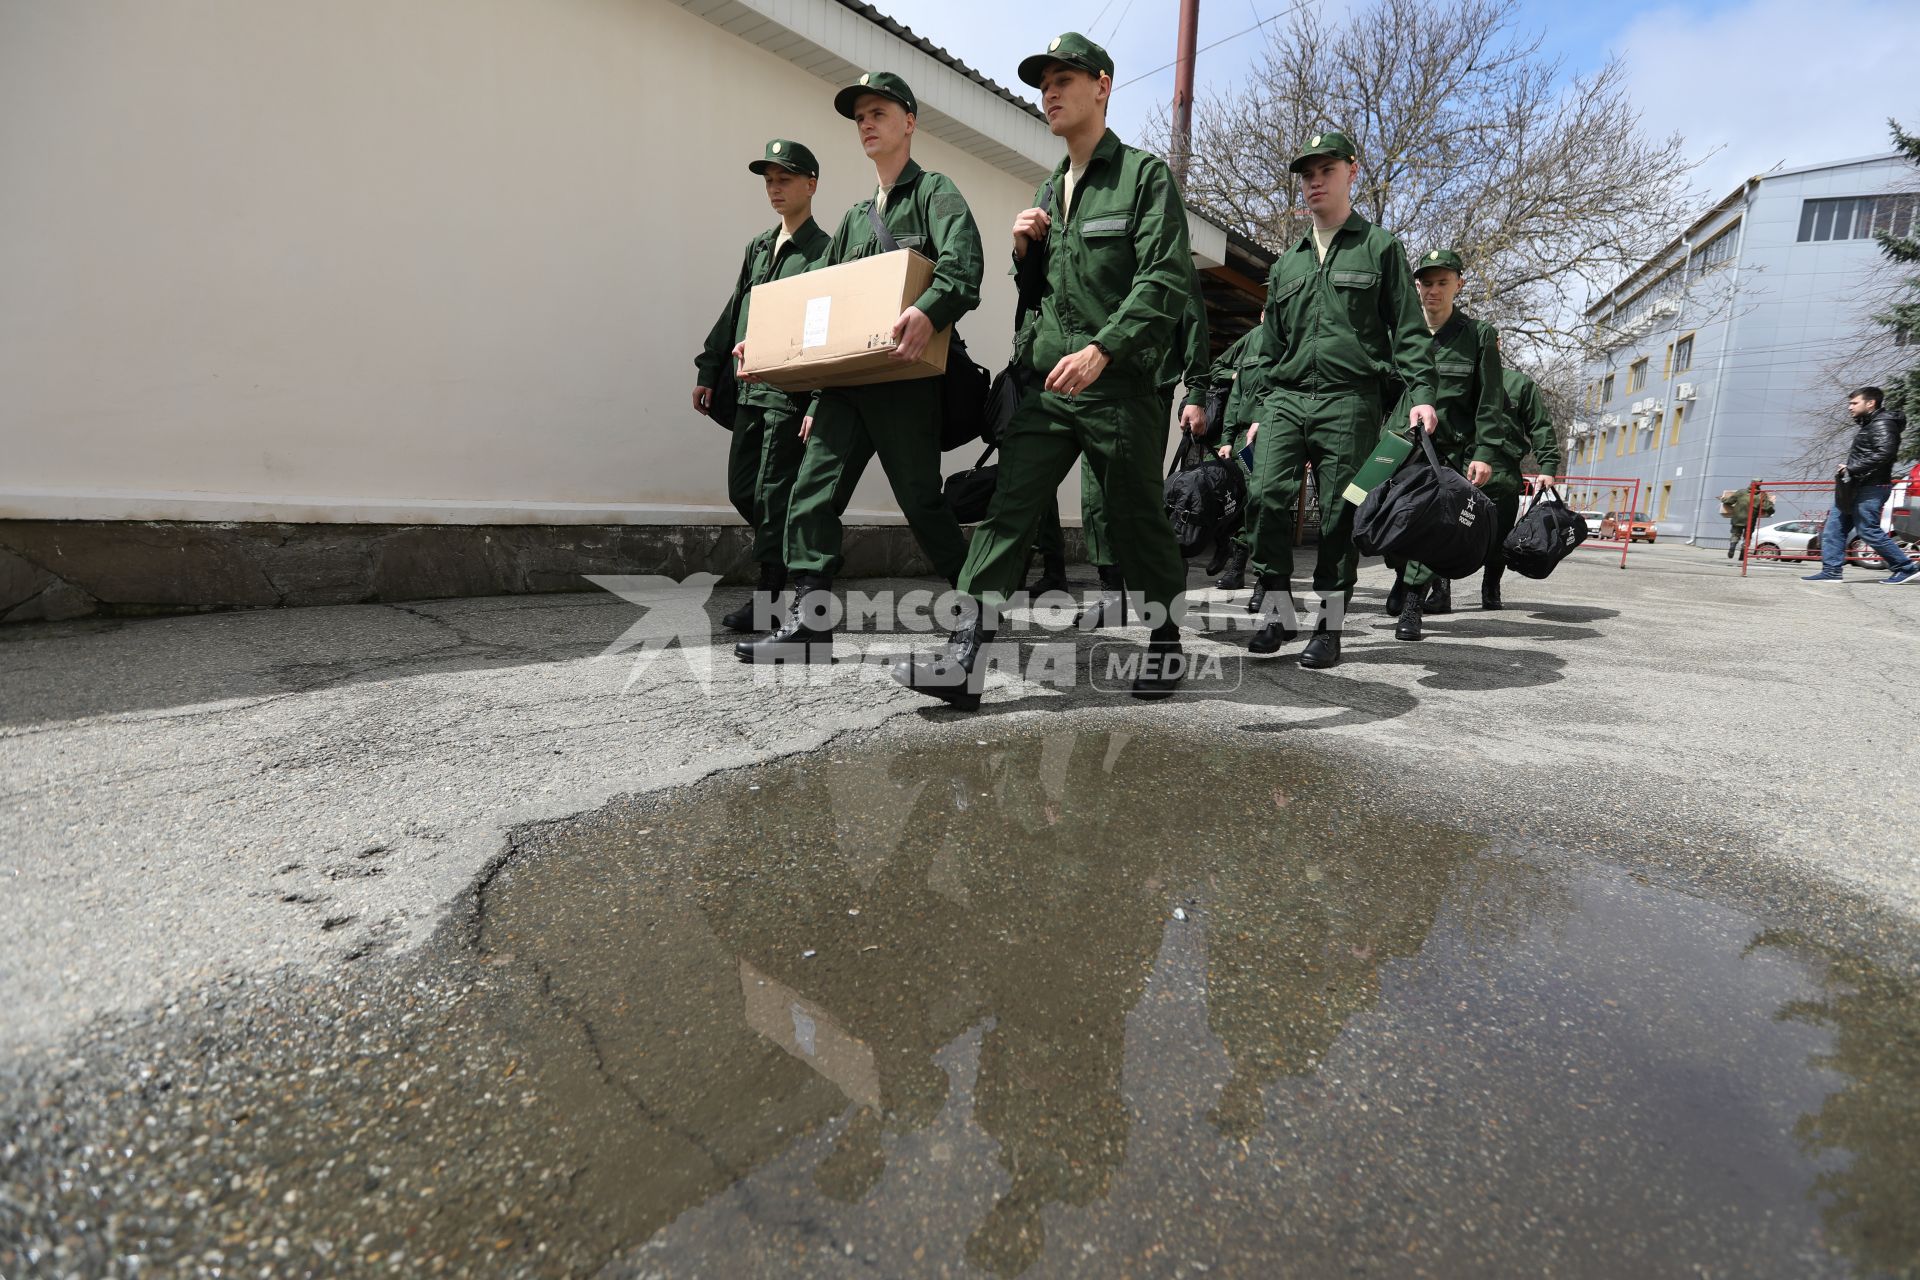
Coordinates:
[843,101]
[761,166]
[1032,69]
[1299,161]
[1437,266]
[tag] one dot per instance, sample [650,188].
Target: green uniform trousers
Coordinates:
[743,462]
[1504,489]
[1244,538]
[1093,524]
[900,422]
[1335,431]
[1123,442]
[774,461]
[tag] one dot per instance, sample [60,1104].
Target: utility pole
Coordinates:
[1183,89]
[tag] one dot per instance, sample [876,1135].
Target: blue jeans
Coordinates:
[1860,517]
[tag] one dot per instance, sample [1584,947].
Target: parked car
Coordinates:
[1628,524]
[1593,519]
[1802,538]
[1785,538]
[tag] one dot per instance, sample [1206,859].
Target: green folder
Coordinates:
[1383,462]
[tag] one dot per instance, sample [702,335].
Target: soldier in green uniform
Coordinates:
[1187,369]
[1247,372]
[1529,427]
[765,453]
[1119,273]
[1472,403]
[846,427]
[1341,324]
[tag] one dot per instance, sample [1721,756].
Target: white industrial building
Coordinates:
[1717,361]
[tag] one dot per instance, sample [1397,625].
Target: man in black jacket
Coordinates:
[1861,488]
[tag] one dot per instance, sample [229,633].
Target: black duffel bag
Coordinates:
[969,493]
[1427,512]
[1545,536]
[963,397]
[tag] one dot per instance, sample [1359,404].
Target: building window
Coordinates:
[1620,443]
[1683,355]
[1632,434]
[1856,217]
[1606,390]
[1666,496]
[1673,436]
[1653,441]
[1716,252]
[1637,375]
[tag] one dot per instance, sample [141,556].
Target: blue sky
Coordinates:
[1745,80]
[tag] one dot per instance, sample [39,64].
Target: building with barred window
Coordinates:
[1717,358]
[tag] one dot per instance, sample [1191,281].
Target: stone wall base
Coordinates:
[52,570]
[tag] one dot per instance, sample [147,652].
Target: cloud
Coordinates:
[1773,81]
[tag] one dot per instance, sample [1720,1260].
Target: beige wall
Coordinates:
[378,260]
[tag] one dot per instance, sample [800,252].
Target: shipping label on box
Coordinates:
[833,327]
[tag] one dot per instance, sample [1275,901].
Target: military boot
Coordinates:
[1110,610]
[1322,651]
[1163,665]
[1263,584]
[1408,628]
[798,639]
[1236,575]
[1397,593]
[1439,597]
[1490,588]
[949,675]
[773,578]
[1278,627]
[1053,575]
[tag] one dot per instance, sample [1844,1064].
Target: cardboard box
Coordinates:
[833,327]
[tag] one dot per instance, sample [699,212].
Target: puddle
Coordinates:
[1072,1002]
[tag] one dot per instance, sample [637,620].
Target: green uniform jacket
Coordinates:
[804,252]
[1469,395]
[1119,272]
[1252,379]
[1530,426]
[1187,361]
[1351,323]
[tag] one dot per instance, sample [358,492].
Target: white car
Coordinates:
[1785,538]
[1800,539]
[1593,519]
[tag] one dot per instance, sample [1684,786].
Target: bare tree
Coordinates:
[1469,137]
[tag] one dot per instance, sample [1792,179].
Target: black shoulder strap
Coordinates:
[880,232]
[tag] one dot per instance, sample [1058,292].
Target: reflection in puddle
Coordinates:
[1065,1003]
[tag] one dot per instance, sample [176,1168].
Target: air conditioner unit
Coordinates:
[1656,405]
[1683,392]
[1610,420]
[1667,307]
[1637,408]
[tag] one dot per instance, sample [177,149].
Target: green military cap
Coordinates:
[1335,144]
[1439,258]
[1071,48]
[884,83]
[790,156]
